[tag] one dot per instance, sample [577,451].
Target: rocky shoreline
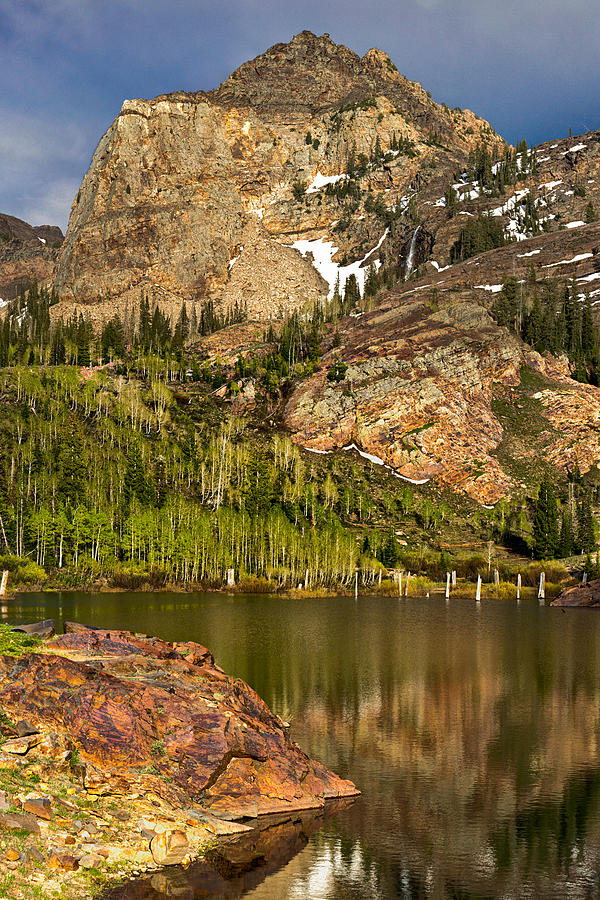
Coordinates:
[582,595]
[122,754]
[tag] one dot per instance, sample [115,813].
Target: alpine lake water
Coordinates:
[472,732]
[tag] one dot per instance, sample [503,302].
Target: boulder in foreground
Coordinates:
[148,715]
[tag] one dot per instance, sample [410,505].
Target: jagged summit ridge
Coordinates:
[310,72]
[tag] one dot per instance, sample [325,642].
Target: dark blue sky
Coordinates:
[528,66]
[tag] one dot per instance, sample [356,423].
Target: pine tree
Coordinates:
[71,466]
[351,293]
[586,537]
[113,339]
[533,324]
[144,323]
[566,541]
[451,200]
[58,353]
[588,331]
[84,336]
[545,522]
[184,322]
[390,553]
[378,152]
[371,281]
[257,488]
[505,308]
[137,484]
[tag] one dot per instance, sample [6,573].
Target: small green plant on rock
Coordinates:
[15,643]
[158,748]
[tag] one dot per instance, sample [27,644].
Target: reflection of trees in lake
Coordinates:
[457,727]
[479,736]
[473,735]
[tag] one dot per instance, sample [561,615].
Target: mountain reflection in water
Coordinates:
[472,734]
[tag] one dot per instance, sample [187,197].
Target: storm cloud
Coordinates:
[530,68]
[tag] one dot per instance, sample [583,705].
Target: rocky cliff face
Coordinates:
[416,395]
[26,253]
[197,195]
[306,166]
[435,390]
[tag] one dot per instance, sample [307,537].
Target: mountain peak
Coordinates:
[309,38]
[244,166]
[309,72]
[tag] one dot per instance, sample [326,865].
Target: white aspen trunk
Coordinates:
[542,587]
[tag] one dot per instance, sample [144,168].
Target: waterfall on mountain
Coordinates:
[410,259]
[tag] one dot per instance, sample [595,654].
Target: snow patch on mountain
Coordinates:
[321,181]
[323,252]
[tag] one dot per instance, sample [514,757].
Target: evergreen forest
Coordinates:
[122,461]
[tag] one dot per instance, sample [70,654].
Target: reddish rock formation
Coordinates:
[147,715]
[587,595]
[417,394]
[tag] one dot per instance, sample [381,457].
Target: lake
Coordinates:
[473,734]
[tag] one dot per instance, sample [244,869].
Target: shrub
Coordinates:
[299,190]
[22,569]
[506,590]
[470,567]
[338,370]
[555,572]
[132,577]
[419,586]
